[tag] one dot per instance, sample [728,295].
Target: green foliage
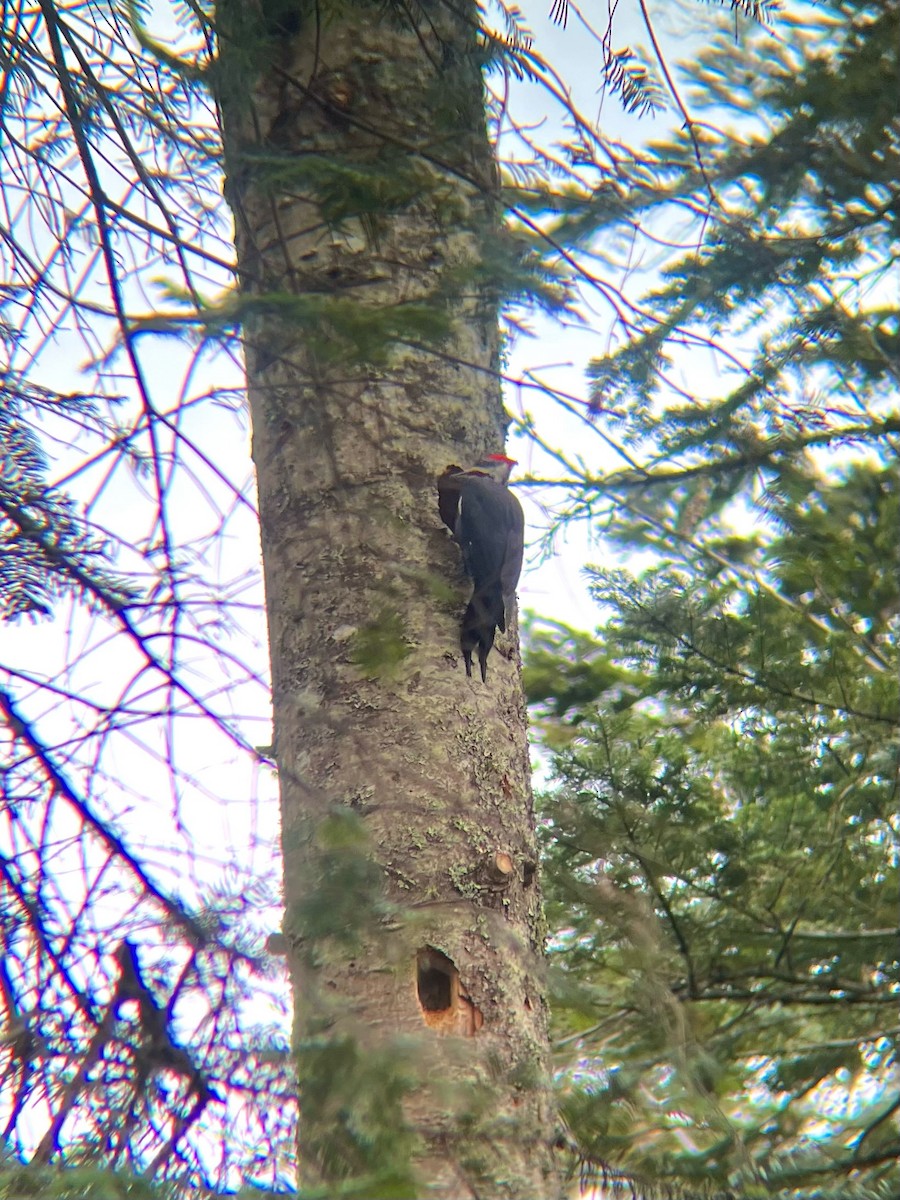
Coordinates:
[380,647]
[78,1183]
[723,848]
[785,281]
[46,550]
[355,1129]
[343,894]
[634,82]
[723,859]
[372,191]
[335,329]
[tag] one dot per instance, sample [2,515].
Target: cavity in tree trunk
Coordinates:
[364,193]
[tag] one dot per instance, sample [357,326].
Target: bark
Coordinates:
[413,917]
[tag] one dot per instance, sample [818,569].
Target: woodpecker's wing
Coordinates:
[515,546]
[448,488]
[489,526]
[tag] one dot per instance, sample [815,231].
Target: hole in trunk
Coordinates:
[435,978]
[444,1006]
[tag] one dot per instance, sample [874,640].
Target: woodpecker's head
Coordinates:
[497,466]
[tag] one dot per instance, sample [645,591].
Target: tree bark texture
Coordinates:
[413,915]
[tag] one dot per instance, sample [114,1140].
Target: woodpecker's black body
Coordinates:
[487,521]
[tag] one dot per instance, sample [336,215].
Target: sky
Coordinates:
[555,585]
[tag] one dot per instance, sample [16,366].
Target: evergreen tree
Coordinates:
[723,840]
[371,260]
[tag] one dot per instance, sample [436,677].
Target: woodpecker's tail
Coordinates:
[485,614]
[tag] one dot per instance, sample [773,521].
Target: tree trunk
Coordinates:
[363,190]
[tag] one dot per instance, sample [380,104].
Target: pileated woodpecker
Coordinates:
[487,521]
